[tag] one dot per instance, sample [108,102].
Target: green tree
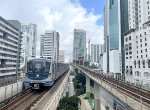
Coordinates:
[79,83]
[94,66]
[69,103]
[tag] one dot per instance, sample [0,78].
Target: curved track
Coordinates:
[133,91]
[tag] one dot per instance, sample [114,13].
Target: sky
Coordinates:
[60,15]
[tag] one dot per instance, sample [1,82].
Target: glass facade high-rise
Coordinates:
[31,29]
[79,44]
[115,25]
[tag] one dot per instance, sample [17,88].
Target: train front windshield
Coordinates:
[38,66]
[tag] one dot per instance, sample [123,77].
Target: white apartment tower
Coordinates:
[137,43]
[25,48]
[9,48]
[138,12]
[96,51]
[50,45]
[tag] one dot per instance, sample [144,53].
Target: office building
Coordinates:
[79,45]
[31,29]
[25,49]
[50,45]
[10,33]
[137,43]
[96,51]
[62,56]
[115,25]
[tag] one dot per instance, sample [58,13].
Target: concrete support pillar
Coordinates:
[87,85]
[97,99]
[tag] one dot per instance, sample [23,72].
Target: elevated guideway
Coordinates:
[134,97]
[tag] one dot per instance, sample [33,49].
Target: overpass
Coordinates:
[134,97]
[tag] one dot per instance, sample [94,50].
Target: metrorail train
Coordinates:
[118,105]
[42,72]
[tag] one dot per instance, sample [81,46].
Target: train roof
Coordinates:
[38,59]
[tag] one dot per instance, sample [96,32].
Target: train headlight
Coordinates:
[37,75]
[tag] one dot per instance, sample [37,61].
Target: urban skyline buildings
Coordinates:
[10,34]
[25,48]
[50,45]
[31,29]
[79,45]
[96,51]
[115,24]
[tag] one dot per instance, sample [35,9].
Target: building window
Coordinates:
[140,40]
[137,73]
[146,55]
[136,36]
[130,48]
[145,33]
[130,52]
[141,56]
[145,39]
[129,37]
[137,47]
[140,35]
[137,52]
[141,51]
[137,57]
[145,44]
[141,45]
[145,50]
[144,64]
[148,63]
[126,39]
[137,42]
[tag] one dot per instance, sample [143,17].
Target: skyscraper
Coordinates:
[31,29]
[115,24]
[50,45]
[79,44]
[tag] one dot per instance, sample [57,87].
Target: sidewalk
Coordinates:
[84,103]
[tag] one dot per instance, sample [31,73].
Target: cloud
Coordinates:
[62,16]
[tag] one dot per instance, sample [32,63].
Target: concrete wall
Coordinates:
[8,91]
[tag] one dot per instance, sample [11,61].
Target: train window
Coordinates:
[47,66]
[29,66]
[38,67]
